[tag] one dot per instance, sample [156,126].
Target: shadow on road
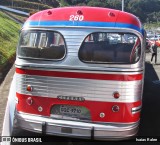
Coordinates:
[150,116]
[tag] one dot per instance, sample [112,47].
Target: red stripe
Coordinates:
[90,14]
[77,75]
[124,115]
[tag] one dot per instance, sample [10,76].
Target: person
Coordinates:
[154,51]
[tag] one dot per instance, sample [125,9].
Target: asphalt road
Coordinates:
[150,115]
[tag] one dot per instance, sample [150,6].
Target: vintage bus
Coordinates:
[80,72]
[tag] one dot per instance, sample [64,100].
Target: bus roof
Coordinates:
[83,16]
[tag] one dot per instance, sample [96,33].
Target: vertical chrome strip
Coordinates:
[136,109]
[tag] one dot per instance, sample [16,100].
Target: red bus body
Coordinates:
[80,73]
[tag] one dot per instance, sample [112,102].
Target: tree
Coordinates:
[97,3]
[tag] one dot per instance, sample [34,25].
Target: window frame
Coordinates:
[114,63]
[42,31]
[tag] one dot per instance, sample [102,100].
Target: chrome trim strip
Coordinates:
[89,68]
[136,109]
[101,123]
[69,69]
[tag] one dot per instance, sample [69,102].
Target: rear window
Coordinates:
[41,45]
[105,47]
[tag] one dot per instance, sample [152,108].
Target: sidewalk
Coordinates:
[4,91]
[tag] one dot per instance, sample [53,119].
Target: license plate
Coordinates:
[64,109]
[70,112]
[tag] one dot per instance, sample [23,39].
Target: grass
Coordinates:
[9,31]
[26,5]
[152,26]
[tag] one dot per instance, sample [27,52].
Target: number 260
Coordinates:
[76,18]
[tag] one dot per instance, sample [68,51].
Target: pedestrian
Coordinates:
[153,49]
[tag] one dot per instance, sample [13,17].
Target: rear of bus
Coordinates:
[80,73]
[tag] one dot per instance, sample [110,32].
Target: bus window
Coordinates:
[41,45]
[106,47]
[29,39]
[43,40]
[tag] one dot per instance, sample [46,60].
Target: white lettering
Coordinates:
[34,140]
[76,18]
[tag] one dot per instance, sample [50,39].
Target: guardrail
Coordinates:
[14,11]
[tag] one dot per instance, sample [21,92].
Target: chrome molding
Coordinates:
[136,109]
[78,129]
[93,90]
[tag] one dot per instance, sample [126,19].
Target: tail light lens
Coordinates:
[116,95]
[29,101]
[29,88]
[115,108]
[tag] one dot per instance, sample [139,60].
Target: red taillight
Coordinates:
[115,108]
[29,101]
[29,88]
[116,95]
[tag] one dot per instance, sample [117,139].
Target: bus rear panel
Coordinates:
[80,73]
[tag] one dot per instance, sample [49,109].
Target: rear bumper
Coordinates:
[76,129]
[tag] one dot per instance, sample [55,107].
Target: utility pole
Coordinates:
[39,4]
[122,5]
[12,3]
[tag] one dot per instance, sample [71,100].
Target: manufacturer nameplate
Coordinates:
[70,98]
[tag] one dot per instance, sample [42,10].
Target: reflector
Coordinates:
[115,108]
[29,88]
[29,101]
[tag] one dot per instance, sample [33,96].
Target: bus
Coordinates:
[80,73]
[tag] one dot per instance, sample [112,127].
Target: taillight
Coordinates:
[29,88]
[29,101]
[115,108]
[116,95]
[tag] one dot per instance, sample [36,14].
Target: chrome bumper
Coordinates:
[76,129]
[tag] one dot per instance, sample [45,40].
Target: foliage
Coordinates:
[152,26]
[8,38]
[146,10]
[32,5]
[63,3]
